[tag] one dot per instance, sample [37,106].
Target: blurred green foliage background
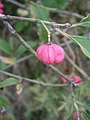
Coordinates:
[37,102]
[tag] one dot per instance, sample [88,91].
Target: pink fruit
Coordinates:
[63,80]
[50,53]
[1,5]
[77,79]
[1,11]
[75,115]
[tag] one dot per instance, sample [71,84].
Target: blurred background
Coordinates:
[36,102]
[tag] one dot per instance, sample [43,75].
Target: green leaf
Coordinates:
[86,116]
[4,102]
[20,25]
[83,42]
[87,106]
[42,33]
[39,12]
[8,82]
[87,18]
[21,49]
[71,117]
[43,14]
[85,22]
[55,3]
[2,65]
[6,47]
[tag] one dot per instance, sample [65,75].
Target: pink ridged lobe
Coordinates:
[1,11]
[77,79]
[1,5]
[39,52]
[59,53]
[51,53]
[75,116]
[48,55]
[45,55]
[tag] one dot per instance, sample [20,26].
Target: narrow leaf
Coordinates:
[2,65]
[87,18]
[85,22]
[86,116]
[7,60]
[87,106]
[20,25]
[21,49]
[71,117]
[83,42]
[8,82]
[43,14]
[4,46]
[4,102]
[55,3]
[39,12]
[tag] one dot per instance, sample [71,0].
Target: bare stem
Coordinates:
[61,74]
[74,99]
[25,44]
[13,32]
[32,80]
[53,24]
[17,3]
[18,61]
[71,52]
[78,68]
[60,12]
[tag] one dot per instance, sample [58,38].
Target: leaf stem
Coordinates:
[49,33]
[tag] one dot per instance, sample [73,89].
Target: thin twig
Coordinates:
[27,57]
[48,31]
[18,61]
[13,32]
[25,44]
[50,9]
[61,74]
[74,99]
[53,24]
[70,49]
[17,3]
[59,11]
[71,52]
[70,13]
[78,68]
[32,80]
[32,51]
[62,106]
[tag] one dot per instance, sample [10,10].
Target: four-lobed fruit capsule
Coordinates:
[50,53]
[77,79]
